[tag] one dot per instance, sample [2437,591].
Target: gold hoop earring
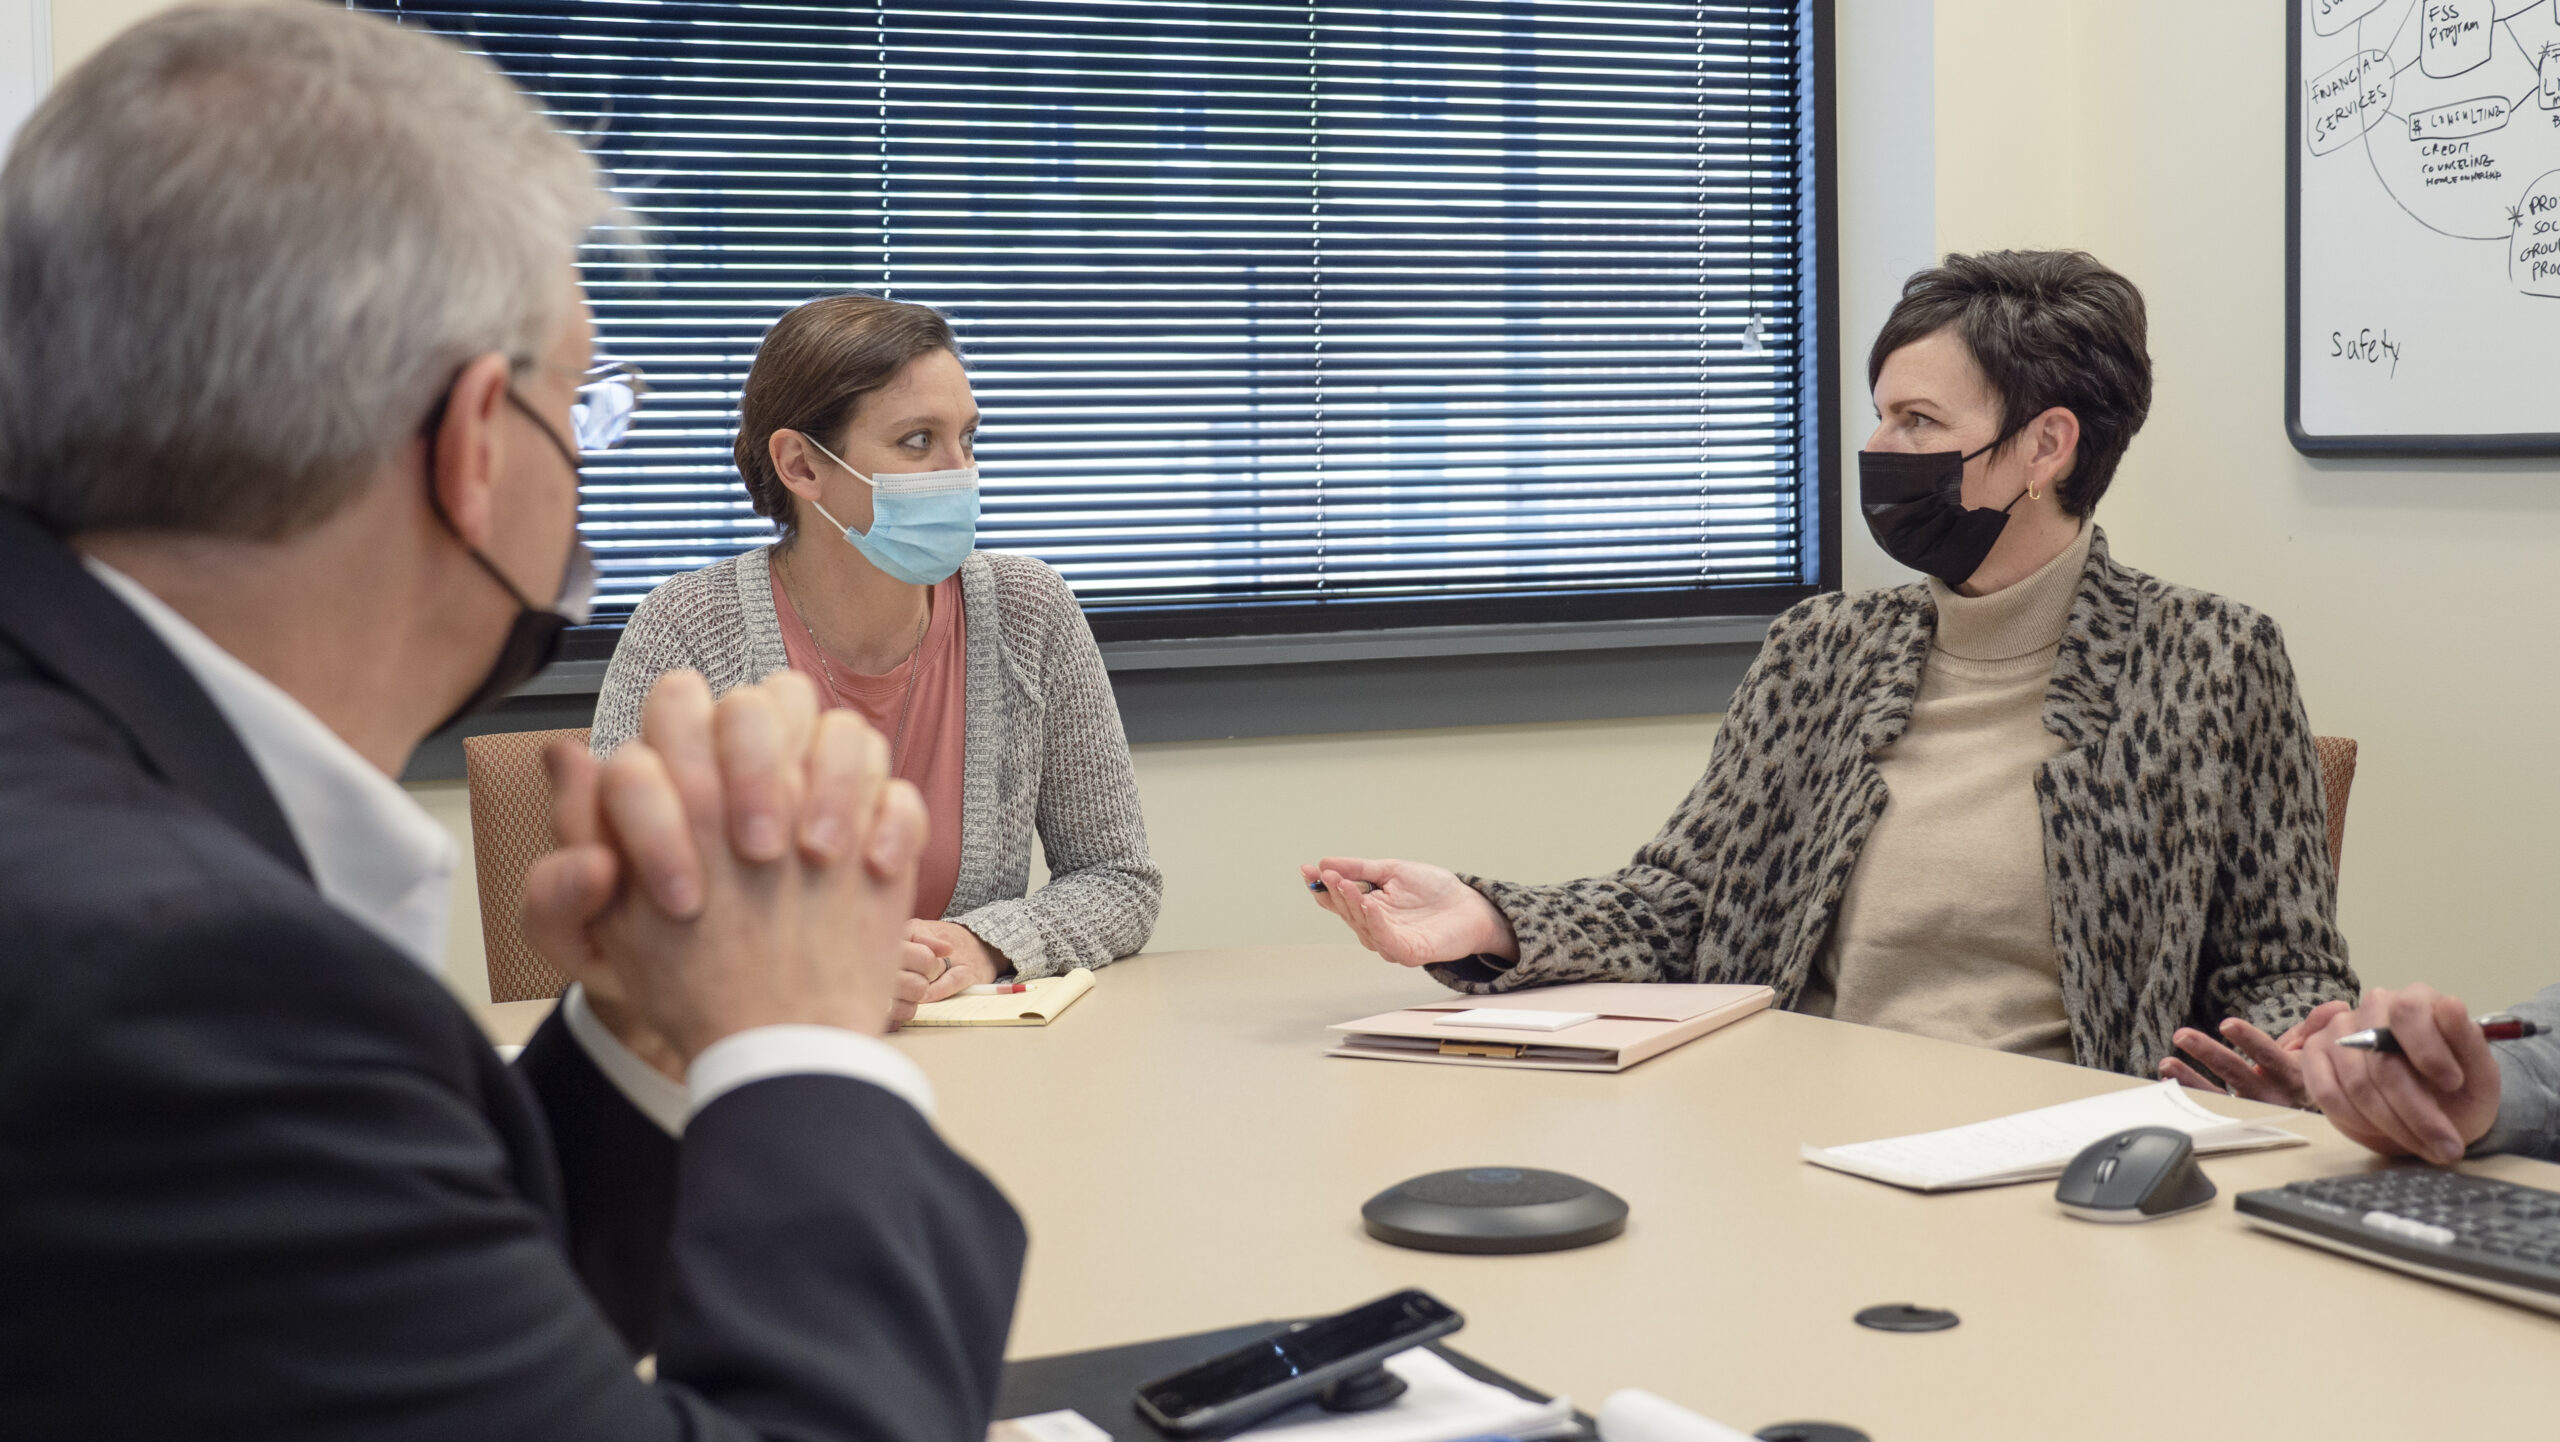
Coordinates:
[2032,493]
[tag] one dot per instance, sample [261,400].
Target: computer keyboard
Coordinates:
[2497,1237]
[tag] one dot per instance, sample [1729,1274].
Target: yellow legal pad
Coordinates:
[1039,1006]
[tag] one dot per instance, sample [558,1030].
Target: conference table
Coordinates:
[1188,1158]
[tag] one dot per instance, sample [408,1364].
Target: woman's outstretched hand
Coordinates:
[1409,912]
[2254,1064]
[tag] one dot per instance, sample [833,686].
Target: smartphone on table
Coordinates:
[1234,1390]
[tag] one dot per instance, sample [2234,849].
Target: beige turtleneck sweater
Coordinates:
[1946,928]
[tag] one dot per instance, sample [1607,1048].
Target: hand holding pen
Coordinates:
[2431,1094]
[2492,1028]
[1409,912]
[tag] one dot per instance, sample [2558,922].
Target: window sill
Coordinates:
[1306,685]
[1433,641]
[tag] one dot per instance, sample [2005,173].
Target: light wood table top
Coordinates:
[1187,1158]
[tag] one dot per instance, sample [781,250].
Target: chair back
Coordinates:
[2337,777]
[510,829]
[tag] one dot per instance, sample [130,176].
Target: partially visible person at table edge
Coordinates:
[291,346]
[2448,1091]
[2038,801]
[857,435]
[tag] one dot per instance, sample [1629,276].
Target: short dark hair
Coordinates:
[811,373]
[2049,328]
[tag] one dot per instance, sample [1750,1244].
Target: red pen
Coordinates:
[999,988]
[2492,1028]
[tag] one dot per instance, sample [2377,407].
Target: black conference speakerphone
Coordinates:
[2502,1238]
[1494,1209]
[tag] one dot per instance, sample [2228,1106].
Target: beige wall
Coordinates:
[80,26]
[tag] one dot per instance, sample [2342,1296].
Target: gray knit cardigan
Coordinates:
[1044,746]
[2185,838]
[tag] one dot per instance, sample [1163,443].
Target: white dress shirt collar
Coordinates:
[374,853]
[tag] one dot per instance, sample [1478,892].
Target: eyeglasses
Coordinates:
[608,395]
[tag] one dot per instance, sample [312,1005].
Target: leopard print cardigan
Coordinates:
[2184,827]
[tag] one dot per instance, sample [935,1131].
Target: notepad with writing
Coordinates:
[2035,1146]
[1039,1006]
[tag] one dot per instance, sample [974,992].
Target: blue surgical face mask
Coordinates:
[923,523]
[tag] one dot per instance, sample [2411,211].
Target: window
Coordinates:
[1284,317]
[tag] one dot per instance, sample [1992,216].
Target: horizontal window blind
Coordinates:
[1283,317]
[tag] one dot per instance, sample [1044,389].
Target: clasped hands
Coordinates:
[739,864]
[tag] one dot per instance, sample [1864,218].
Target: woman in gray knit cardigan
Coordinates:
[857,437]
[2039,801]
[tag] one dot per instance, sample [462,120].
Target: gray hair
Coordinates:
[245,248]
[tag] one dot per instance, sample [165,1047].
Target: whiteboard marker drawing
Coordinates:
[2365,347]
[2454,35]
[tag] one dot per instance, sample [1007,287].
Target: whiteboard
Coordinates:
[2423,227]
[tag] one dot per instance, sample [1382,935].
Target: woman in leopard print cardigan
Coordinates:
[2186,849]
[2176,797]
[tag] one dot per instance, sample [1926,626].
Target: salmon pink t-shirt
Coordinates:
[932,753]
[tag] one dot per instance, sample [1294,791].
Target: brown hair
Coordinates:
[811,373]
[2049,328]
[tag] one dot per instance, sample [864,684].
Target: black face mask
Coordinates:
[533,639]
[1916,511]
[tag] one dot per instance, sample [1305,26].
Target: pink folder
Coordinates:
[1632,1021]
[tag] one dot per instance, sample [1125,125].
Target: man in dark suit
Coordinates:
[289,360]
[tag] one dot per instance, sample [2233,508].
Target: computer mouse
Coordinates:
[2140,1175]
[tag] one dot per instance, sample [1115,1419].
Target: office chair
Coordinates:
[2337,777]
[510,828]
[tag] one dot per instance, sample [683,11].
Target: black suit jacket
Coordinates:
[260,1177]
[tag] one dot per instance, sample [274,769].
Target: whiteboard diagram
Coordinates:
[2424,227]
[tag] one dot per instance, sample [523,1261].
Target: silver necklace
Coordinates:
[906,700]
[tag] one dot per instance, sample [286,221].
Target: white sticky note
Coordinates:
[1508,1020]
[1634,1415]
[1059,1426]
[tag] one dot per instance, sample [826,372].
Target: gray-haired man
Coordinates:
[290,346]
